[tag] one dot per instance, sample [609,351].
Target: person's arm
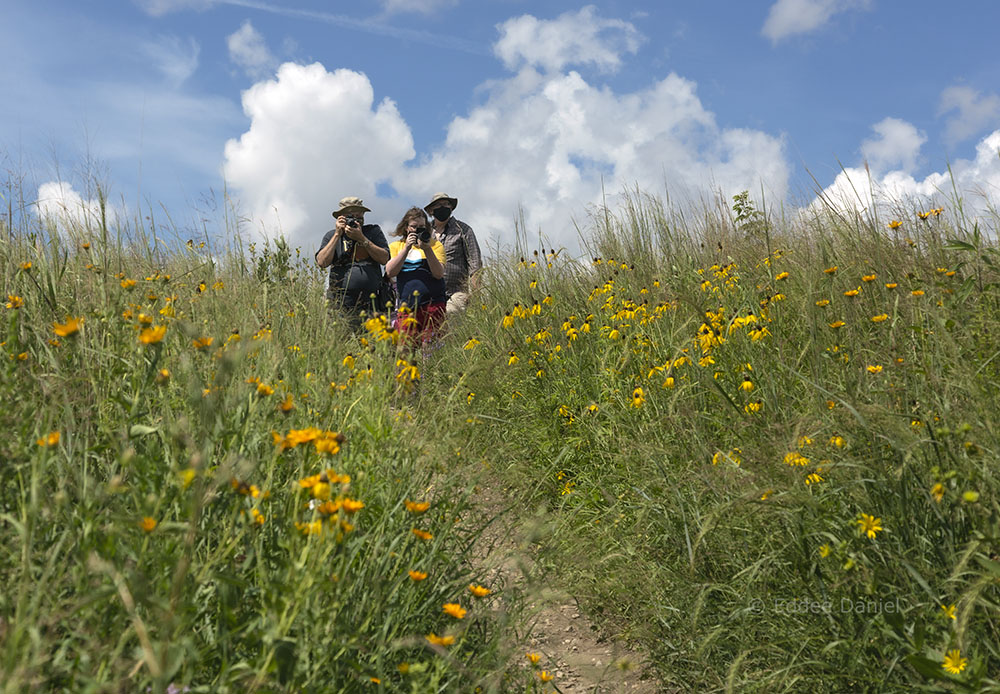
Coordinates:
[395,264]
[378,249]
[435,258]
[472,256]
[326,254]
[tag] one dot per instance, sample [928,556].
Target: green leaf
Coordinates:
[141,430]
[925,666]
[956,245]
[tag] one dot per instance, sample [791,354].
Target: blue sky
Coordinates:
[503,103]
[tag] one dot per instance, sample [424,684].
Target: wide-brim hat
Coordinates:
[438,197]
[350,205]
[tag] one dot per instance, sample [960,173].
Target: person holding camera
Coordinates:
[464,261]
[353,251]
[417,262]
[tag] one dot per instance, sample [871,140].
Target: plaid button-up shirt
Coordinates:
[462,253]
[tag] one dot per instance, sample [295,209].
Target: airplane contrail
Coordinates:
[365,25]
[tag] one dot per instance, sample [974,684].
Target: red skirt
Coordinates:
[424,325]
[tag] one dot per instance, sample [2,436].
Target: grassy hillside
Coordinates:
[765,453]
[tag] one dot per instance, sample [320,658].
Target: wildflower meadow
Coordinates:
[760,449]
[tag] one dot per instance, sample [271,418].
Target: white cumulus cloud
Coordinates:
[556,144]
[248,49]
[58,204]
[315,136]
[545,141]
[976,180]
[790,17]
[897,143]
[573,38]
[971,112]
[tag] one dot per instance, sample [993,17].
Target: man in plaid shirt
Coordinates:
[463,259]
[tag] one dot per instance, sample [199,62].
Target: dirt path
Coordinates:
[580,659]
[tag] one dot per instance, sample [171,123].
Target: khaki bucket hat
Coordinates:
[438,197]
[350,205]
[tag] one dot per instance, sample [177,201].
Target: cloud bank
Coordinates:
[893,192]
[546,139]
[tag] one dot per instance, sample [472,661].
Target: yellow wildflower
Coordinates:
[454,609]
[70,327]
[954,662]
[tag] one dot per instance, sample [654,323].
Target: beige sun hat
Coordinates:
[350,205]
[438,197]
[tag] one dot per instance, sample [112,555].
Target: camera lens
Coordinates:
[424,236]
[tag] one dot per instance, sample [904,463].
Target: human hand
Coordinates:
[412,240]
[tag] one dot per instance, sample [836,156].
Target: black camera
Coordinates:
[352,221]
[424,236]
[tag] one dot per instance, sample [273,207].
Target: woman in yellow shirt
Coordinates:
[417,262]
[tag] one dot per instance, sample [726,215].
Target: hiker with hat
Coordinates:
[463,259]
[353,251]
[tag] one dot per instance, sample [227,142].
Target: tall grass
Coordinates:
[716,421]
[765,451]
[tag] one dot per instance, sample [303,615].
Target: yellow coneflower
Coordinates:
[954,662]
[831,270]
[127,283]
[287,405]
[152,335]
[454,609]
[545,676]
[869,525]
[868,278]
[837,441]
[26,265]
[823,302]
[949,612]
[874,368]
[70,327]
[937,492]
[202,342]
[264,390]
[638,397]
[512,359]
[349,361]
[533,657]
[470,343]
[852,292]
[440,640]
[781,276]
[895,224]
[917,292]
[880,318]
[14,302]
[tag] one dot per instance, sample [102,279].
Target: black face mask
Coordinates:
[441,214]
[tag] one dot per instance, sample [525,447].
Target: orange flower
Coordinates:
[153,334]
[479,591]
[417,507]
[440,640]
[454,609]
[148,524]
[422,534]
[417,575]
[70,327]
[50,440]
[202,342]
